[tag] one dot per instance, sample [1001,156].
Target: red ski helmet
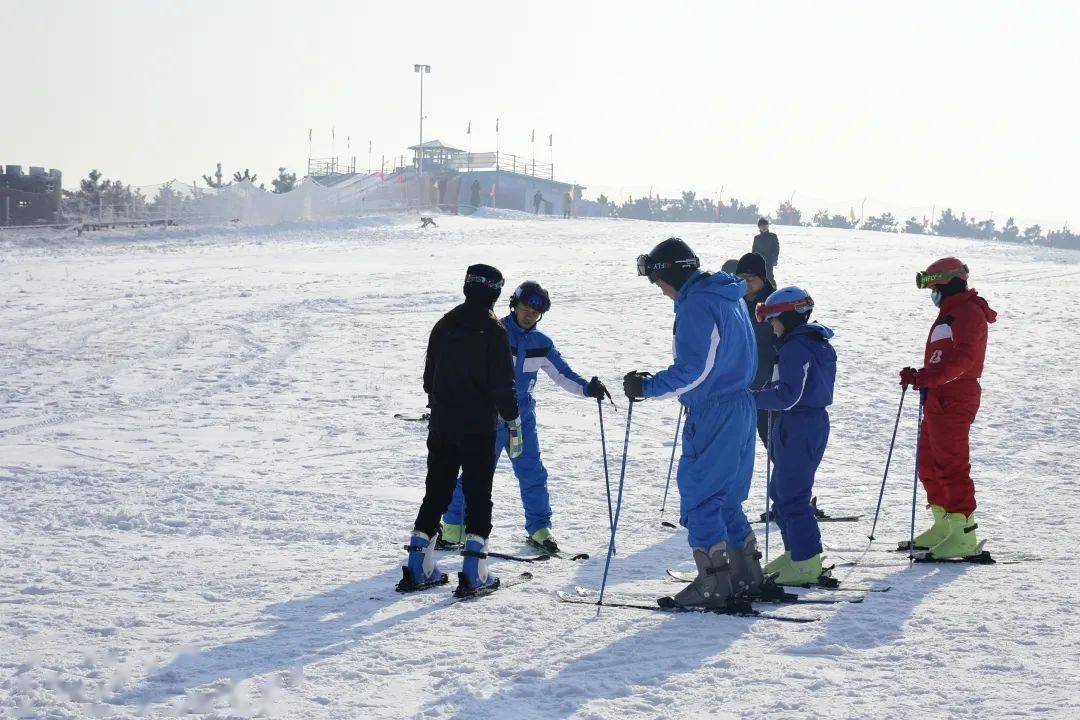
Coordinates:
[940,272]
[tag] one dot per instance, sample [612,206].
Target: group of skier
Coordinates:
[746,357]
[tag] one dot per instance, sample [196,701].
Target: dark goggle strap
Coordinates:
[762,310]
[924,279]
[485,281]
[646,266]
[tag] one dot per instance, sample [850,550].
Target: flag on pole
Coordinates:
[331,133]
[549,140]
[310,130]
[533,136]
[496,124]
[468,129]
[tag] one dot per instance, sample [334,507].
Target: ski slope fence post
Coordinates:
[768,482]
[888,460]
[671,462]
[607,477]
[915,484]
[618,507]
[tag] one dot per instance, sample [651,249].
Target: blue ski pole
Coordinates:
[768,482]
[607,477]
[671,463]
[618,507]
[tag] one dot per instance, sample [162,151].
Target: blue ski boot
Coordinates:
[421,572]
[474,578]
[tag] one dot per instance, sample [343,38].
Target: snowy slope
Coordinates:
[203,490]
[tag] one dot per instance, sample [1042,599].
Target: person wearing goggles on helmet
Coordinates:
[532,351]
[714,364]
[799,397]
[952,365]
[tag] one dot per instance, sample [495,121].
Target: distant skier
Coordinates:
[537,199]
[711,375]
[751,268]
[427,222]
[469,380]
[474,194]
[532,351]
[800,430]
[767,245]
[953,363]
[567,204]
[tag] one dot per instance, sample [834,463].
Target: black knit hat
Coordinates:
[483,283]
[752,264]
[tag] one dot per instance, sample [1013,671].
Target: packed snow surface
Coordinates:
[204,491]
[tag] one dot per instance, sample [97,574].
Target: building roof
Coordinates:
[436,145]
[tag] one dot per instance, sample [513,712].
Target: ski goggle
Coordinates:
[647,267]
[485,281]
[536,301]
[764,312]
[924,279]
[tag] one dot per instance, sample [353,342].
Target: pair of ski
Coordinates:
[922,555]
[825,582]
[742,607]
[462,591]
[819,514]
[544,554]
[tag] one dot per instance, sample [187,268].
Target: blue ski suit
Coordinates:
[805,372]
[715,362]
[533,351]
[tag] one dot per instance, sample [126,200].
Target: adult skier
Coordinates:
[753,270]
[715,359]
[800,430]
[532,351]
[949,380]
[767,245]
[469,380]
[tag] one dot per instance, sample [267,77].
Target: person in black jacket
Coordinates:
[752,269]
[469,380]
[767,245]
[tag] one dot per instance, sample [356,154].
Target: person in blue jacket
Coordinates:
[799,396]
[715,361]
[532,351]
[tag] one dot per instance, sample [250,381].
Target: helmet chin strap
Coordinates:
[936,297]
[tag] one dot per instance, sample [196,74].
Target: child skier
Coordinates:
[469,383]
[532,351]
[806,371]
[953,364]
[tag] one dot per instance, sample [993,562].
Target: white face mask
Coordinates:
[935,297]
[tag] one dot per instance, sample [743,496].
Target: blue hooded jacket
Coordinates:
[715,348]
[805,371]
[534,351]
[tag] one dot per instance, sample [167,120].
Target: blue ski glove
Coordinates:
[516,445]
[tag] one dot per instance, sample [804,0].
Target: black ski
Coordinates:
[666,604]
[460,594]
[406,585]
[556,551]
[820,514]
[686,577]
[413,417]
[774,596]
[519,558]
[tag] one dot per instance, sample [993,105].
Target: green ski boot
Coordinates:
[937,532]
[773,566]
[960,541]
[451,537]
[544,539]
[799,572]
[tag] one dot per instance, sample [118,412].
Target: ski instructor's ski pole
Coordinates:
[618,507]
[888,459]
[607,478]
[768,483]
[671,463]
[915,485]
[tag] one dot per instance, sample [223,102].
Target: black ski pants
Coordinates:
[448,454]
[763,427]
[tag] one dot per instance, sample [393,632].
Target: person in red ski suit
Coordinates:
[949,379]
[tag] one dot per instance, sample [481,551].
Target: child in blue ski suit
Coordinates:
[715,361]
[532,351]
[798,398]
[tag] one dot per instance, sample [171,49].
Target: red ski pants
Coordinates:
[944,457]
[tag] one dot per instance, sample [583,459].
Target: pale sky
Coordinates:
[972,105]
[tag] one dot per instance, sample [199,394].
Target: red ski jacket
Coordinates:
[956,346]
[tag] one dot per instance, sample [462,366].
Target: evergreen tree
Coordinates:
[285,181]
[214,182]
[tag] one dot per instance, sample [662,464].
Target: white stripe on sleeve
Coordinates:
[710,360]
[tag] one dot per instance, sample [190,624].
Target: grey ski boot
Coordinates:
[712,586]
[747,576]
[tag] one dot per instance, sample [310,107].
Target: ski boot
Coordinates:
[712,586]
[798,572]
[937,532]
[544,539]
[451,537]
[960,542]
[421,572]
[774,565]
[474,578]
[747,577]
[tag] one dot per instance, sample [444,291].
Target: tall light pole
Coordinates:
[423,70]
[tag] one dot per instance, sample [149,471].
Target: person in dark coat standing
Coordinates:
[767,245]
[469,380]
[752,269]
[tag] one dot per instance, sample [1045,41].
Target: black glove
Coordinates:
[633,385]
[597,390]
